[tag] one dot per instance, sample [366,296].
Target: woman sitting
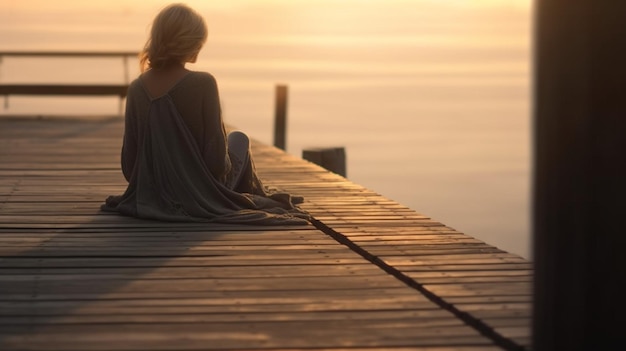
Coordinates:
[178,161]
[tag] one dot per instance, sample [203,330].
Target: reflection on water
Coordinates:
[430,98]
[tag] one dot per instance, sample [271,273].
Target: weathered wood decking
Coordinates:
[370,273]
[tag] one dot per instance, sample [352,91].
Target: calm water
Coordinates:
[430,98]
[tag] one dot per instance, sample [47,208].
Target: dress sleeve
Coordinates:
[215,149]
[129,145]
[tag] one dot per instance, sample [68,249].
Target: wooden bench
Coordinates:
[119,90]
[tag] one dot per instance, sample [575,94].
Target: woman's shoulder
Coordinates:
[135,88]
[134,84]
[201,77]
[198,81]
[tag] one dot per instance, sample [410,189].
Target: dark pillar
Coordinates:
[280,117]
[580,175]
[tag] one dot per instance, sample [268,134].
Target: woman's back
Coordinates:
[196,98]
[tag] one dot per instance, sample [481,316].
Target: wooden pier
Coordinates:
[368,274]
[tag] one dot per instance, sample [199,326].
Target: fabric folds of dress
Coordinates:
[171,182]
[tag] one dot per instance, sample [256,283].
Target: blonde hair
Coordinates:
[177,35]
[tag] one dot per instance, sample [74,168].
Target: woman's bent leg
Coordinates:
[239,153]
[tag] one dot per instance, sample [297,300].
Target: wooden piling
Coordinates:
[331,158]
[280,117]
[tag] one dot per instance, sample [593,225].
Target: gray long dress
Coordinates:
[175,158]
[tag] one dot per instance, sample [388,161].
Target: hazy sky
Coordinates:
[248,20]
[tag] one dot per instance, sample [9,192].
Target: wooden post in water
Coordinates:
[280,117]
[331,158]
[579,175]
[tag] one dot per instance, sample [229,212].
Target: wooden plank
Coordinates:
[64,89]
[65,53]
[231,296]
[302,270]
[189,261]
[243,335]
